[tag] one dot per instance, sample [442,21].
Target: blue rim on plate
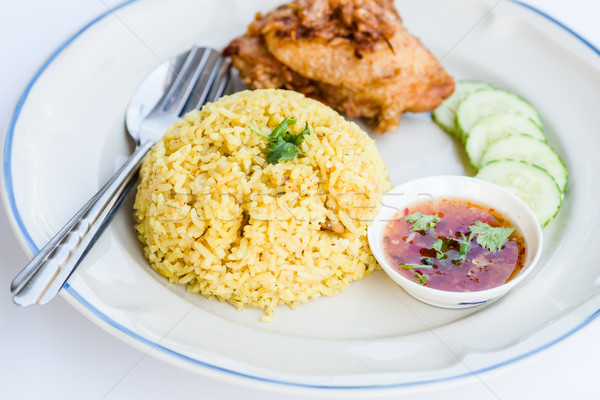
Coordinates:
[12,205]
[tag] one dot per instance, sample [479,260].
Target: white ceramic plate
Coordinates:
[66,138]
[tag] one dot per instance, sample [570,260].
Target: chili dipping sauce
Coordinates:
[414,256]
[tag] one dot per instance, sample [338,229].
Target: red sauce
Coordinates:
[481,269]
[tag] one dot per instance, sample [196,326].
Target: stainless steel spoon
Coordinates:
[175,87]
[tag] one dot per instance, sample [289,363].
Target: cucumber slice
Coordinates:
[497,126]
[531,150]
[529,182]
[445,114]
[484,102]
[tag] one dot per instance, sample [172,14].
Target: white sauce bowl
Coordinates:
[460,187]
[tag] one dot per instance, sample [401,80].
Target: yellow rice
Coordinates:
[214,215]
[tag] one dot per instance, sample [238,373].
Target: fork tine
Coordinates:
[184,82]
[175,68]
[221,83]
[205,82]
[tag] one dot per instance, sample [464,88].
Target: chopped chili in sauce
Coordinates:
[481,268]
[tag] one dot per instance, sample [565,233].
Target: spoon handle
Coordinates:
[47,272]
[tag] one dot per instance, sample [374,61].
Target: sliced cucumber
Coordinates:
[484,102]
[531,150]
[445,114]
[529,182]
[497,126]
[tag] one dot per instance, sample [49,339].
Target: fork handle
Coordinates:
[47,272]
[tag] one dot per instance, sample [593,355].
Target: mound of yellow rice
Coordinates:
[215,216]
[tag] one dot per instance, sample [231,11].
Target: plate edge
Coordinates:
[92,313]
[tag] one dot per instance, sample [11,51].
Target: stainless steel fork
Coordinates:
[187,82]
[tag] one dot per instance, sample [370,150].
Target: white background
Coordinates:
[53,352]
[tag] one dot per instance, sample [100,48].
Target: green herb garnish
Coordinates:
[409,267]
[463,250]
[422,222]
[489,237]
[283,145]
[440,248]
[422,278]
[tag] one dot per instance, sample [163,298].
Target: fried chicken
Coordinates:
[353,55]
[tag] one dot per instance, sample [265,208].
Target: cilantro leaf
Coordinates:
[467,239]
[440,248]
[463,250]
[281,151]
[296,139]
[489,237]
[282,128]
[283,145]
[422,222]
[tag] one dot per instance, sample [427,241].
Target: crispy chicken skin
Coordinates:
[353,55]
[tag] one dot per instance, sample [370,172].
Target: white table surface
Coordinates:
[54,352]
